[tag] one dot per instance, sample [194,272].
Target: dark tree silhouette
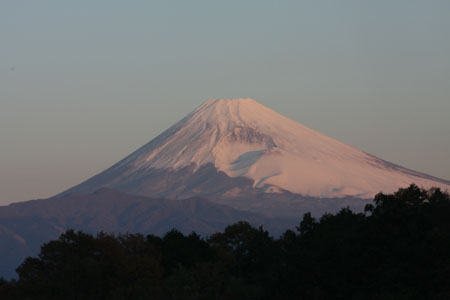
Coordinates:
[399,248]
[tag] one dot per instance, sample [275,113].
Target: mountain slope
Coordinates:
[249,149]
[25,226]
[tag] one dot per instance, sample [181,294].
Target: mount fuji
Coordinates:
[228,160]
[243,154]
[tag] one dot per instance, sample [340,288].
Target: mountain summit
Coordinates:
[242,153]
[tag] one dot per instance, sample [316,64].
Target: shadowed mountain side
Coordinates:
[217,186]
[25,226]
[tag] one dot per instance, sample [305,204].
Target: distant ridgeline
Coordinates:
[398,248]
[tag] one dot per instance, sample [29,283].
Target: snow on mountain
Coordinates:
[236,150]
[244,138]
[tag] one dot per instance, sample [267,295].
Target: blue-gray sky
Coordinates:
[84,83]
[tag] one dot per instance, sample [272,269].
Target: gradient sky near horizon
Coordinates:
[85,83]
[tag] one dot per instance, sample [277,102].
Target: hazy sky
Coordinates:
[84,83]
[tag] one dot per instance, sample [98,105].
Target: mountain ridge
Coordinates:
[25,226]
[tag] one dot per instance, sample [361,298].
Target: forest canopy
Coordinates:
[398,248]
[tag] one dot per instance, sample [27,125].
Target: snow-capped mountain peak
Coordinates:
[245,139]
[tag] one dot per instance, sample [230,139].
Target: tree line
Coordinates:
[398,248]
